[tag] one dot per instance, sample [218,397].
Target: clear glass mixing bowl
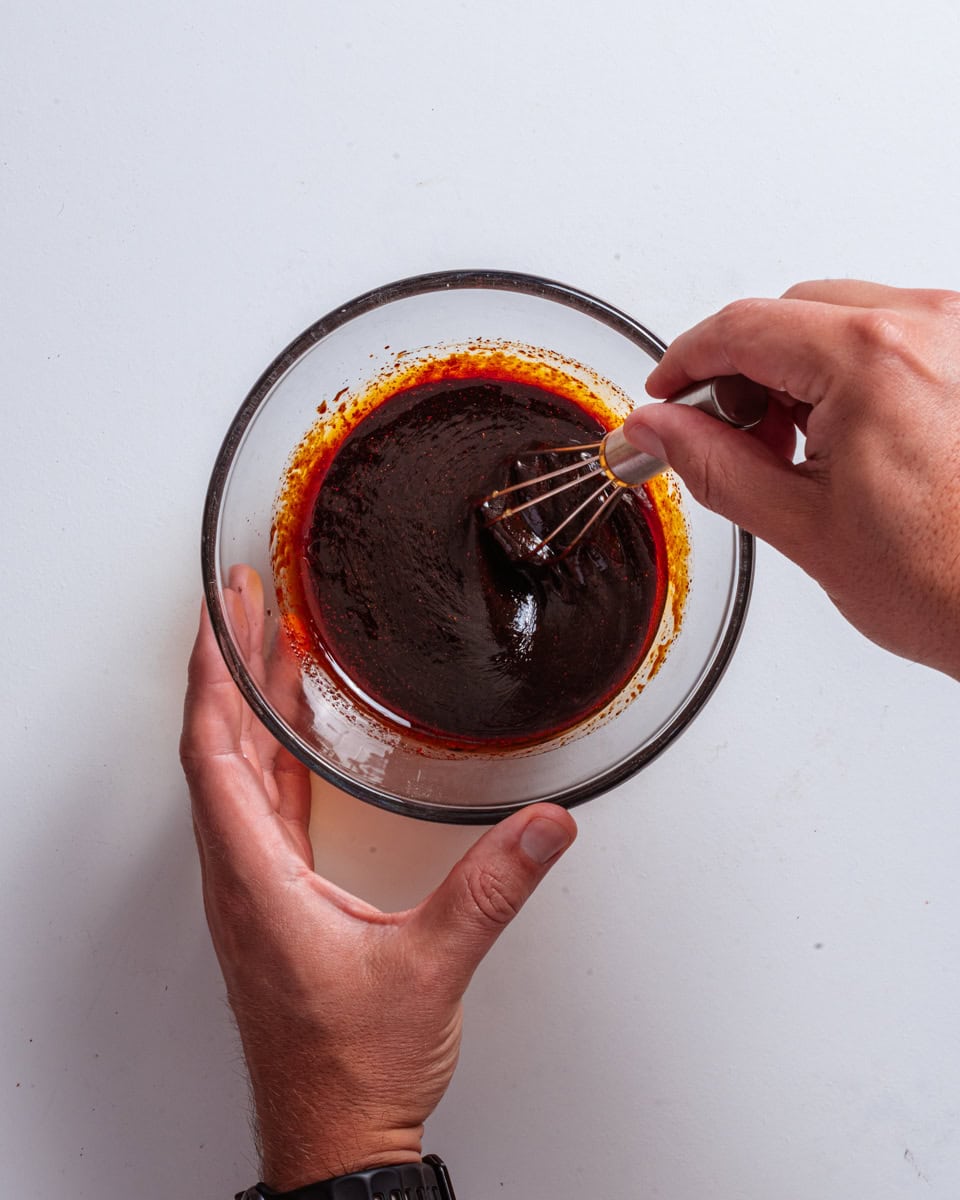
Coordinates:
[425,317]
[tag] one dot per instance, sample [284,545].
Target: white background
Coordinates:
[743,981]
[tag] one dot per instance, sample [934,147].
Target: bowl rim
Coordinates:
[401,289]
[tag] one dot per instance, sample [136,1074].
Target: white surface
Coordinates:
[743,982]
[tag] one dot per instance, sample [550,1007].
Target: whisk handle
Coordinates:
[733,399]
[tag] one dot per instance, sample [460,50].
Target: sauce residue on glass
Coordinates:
[390,584]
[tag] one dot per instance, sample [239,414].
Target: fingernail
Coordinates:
[544,839]
[642,437]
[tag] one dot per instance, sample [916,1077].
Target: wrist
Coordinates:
[428,1180]
[315,1116]
[296,1159]
[309,1133]
[320,1116]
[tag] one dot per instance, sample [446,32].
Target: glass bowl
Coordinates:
[425,318]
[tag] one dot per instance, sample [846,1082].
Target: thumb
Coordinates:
[732,473]
[461,920]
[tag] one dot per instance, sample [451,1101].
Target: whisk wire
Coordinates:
[563,487]
[601,510]
[585,471]
[577,466]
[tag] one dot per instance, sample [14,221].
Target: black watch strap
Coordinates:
[427,1180]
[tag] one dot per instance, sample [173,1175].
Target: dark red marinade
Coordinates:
[416,609]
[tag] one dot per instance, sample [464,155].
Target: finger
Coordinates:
[281,682]
[279,675]
[284,688]
[293,801]
[230,804]
[245,582]
[247,586]
[802,347]
[236,614]
[460,921]
[213,708]
[291,778]
[860,293]
[732,473]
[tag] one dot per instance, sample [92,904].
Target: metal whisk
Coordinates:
[533,525]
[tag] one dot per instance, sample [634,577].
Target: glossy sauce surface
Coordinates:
[417,609]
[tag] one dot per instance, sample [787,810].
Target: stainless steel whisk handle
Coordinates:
[733,399]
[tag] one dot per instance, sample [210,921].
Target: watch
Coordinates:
[426,1180]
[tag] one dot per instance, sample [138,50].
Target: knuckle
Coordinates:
[735,323]
[747,306]
[490,896]
[733,316]
[881,332]
[945,304]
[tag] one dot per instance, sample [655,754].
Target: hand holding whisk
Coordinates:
[533,525]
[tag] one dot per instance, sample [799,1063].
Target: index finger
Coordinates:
[213,707]
[861,293]
[800,347]
[232,809]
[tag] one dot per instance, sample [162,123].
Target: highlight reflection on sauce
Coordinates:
[389,583]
